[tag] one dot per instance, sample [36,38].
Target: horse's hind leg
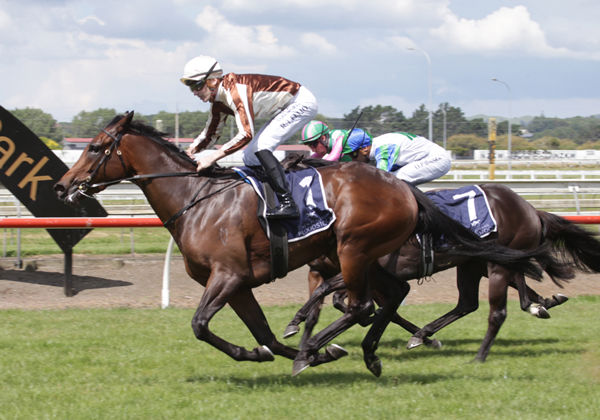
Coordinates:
[529,300]
[247,308]
[534,303]
[468,276]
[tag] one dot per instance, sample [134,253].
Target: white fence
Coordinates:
[527,174]
[588,154]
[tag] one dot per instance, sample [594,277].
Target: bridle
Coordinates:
[85,185]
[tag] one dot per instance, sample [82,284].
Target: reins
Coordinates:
[139,177]
[84,186]
[196,200]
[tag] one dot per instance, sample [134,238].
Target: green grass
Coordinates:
[98,241]
[147,364]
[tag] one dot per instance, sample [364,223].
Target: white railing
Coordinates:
[533,174]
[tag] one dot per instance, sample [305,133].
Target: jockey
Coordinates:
[411,158]
[324,142]
[286,104]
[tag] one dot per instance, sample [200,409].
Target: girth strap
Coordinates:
[427,254]
[278,241]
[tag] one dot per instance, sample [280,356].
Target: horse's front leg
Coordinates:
[468,276]
[360,306]
[394,293]
[499,279]
[220,289]
[311,308]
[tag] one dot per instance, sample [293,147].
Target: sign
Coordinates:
[29,169]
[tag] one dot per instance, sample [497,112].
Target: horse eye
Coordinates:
[94,148]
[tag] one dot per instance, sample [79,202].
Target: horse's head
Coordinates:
[100,162]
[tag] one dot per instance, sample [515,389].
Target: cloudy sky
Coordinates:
[69,56]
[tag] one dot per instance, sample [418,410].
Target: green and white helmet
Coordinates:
[313,131]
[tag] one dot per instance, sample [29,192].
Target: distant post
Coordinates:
[492,144]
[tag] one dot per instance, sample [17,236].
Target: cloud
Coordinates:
[319,43]
[228,39]
[505,30]
[91,19]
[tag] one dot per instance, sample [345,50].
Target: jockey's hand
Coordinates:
[205,161]
[190,151]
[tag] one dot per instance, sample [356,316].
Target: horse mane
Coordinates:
[297,161]
[141,128]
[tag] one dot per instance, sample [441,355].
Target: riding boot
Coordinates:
[276,178]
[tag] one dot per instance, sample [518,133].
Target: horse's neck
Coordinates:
[169,194]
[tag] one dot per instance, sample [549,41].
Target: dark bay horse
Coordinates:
[520,226]
[212,218]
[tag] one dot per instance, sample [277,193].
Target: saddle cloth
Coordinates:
[306,187]
[467,205]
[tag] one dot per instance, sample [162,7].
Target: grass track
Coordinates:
[143,364]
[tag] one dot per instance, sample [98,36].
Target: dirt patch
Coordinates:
[136,281]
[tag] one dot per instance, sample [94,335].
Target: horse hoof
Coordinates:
[374,366]
[414,342]
[335,351]
[265,354]
[539,311]
[435,344]
[290,331]
[559,298]
[299,366]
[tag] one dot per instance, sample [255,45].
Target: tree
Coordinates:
[478,127]
[42,124]
[463,144]
[377,119]
[455,122]
[88,124]
[53,145]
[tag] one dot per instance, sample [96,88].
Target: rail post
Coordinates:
[68,285]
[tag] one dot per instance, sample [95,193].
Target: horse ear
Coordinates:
[124,122]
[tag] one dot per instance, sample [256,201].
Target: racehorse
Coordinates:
[519,226]
[212,218]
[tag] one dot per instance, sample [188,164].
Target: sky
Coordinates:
[70,56]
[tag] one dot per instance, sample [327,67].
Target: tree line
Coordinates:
[462,134]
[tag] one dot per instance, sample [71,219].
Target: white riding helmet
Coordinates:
[201,67]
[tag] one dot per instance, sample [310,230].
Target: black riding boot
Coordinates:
[276,178]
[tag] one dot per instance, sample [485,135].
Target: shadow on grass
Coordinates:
[524,347]
[315,378]
[50,278]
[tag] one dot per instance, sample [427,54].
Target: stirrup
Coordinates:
[284,211]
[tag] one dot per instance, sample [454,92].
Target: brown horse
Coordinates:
[520,226]
[212,218]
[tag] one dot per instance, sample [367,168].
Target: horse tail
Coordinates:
[573,245]
[461,241]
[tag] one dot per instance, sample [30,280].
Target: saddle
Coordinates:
[467,205]
[306,188]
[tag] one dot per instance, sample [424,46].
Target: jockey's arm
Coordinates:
[336,152]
